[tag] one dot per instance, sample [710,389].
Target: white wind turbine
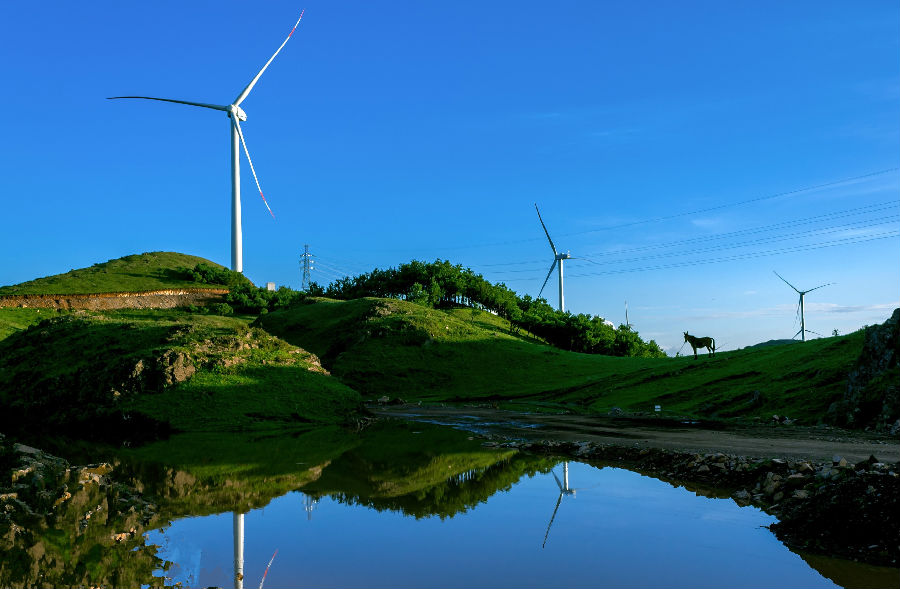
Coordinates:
[803,330]
[235,113]
[557,259]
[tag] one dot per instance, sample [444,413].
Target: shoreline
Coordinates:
[846,505]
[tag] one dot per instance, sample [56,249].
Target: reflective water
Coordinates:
[617,529]
[401,505]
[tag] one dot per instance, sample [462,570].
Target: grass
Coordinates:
[14,319]
[133,369]
[394,348]
[135,273]
[250,374]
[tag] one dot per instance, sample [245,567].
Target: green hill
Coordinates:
[134,374]
[135,273]
[400,349]
[148,370]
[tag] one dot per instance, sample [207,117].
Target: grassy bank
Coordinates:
[159,371]
[388,347]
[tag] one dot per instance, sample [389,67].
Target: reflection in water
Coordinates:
[238,527]
[407,506]
[564,490]
[607,538]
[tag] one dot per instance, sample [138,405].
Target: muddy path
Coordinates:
[761,441]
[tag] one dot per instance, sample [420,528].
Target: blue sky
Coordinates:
[683,150]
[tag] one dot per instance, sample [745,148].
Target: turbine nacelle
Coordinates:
[236,111]
[565,256]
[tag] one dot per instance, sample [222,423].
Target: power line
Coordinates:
[877,207]
[749,255]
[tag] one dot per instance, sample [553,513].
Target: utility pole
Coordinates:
[306,267]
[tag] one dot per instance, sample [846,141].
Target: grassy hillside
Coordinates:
[388,347]
[134,372]
[139,272]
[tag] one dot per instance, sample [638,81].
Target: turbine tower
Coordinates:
[236,114]
[803,329]
[557,259]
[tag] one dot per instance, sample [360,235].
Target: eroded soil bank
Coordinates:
[835,492]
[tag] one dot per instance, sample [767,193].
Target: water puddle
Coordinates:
[606,528]
[405,505]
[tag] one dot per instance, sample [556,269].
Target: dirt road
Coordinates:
[761,441]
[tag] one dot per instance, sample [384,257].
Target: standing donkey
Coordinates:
[701,342]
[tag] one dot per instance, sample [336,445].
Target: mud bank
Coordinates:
[154,299]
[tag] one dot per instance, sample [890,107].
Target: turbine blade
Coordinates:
[818,287]
[553,247]
[552,266]
[553,517]
[203,104]
[558,483]
[271,560]
[237,126]
[785,281]
[246,91]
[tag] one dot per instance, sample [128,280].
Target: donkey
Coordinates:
[701,342]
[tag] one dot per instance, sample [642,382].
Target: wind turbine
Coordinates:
[235,113]
[803,329]
[557,259]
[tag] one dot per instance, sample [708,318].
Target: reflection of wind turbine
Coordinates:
[235,113]
[557,259]
[803,330]
[238,525]
[564,489]
[309,505]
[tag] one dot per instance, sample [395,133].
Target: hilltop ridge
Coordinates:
[148,271]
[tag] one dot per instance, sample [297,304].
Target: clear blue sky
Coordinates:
[391,131]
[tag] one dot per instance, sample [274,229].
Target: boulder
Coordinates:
[872,397]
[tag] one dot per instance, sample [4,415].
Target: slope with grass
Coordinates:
[132,373]
[135,273]
[400,349]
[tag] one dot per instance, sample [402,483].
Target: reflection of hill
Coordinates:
[63,527]
[422,470]
[97,535]
[850,574]
[202,474]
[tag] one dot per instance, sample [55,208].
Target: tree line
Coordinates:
[442,284]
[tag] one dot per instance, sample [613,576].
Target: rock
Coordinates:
[804,468]
[872,397]
[778,496]
[796,480]
[615,412]
[702,468]
[384,399]
[801,494]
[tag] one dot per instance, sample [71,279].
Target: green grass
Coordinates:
[399,349]
[14,319]
[82,369]
[135,273]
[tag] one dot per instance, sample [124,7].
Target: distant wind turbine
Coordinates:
[557,260]
[235,113]
[803,330]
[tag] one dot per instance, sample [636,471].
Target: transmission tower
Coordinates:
[306,264]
